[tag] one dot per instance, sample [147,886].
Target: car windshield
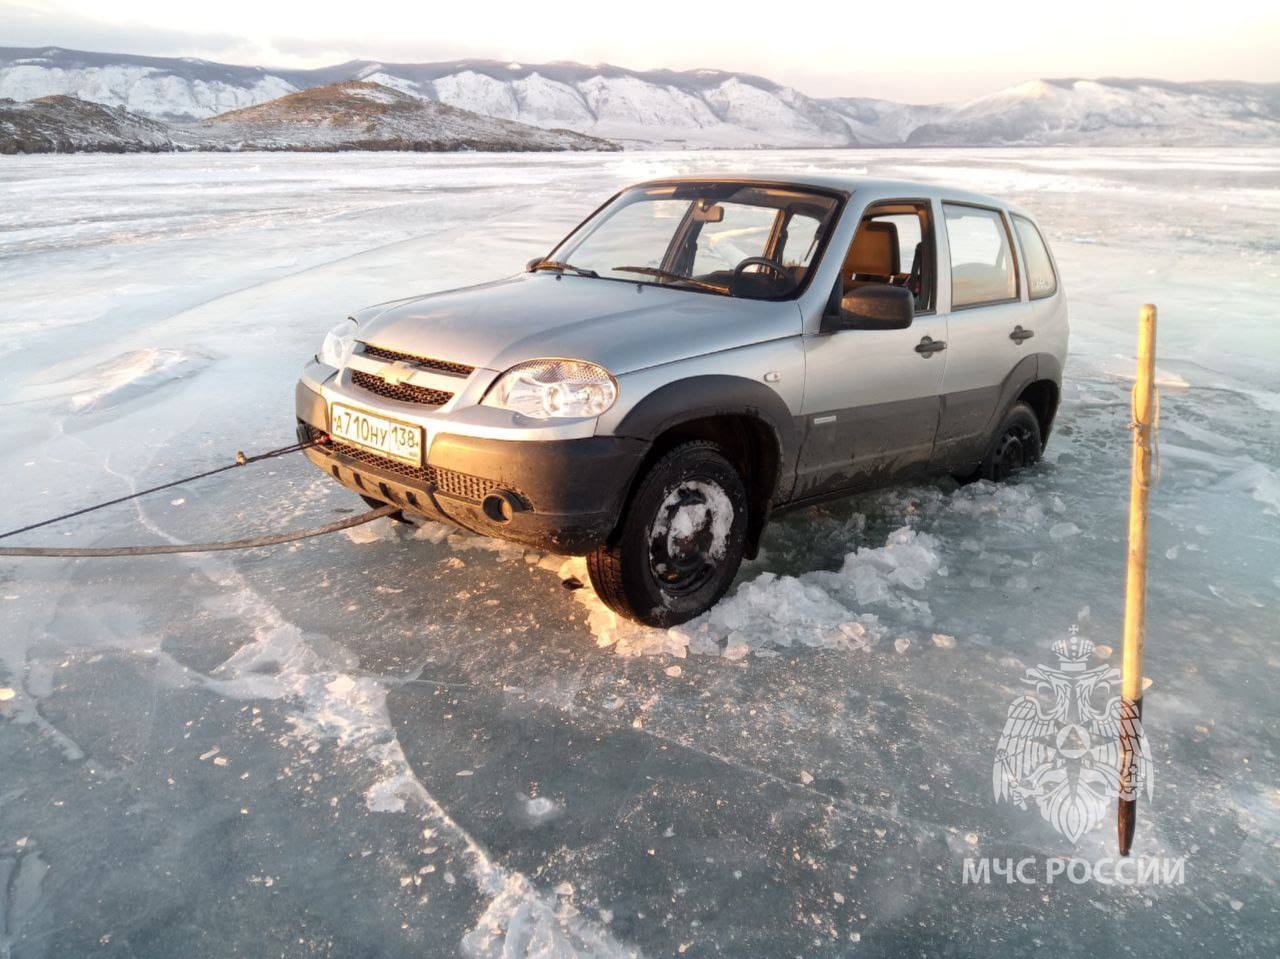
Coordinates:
[731,239]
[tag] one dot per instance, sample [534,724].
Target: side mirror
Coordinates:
[872,308]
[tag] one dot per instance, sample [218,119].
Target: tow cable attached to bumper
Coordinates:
[273,539]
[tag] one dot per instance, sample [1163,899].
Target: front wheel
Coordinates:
[1017,445]
[681,540]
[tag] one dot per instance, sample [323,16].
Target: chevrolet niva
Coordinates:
[697,355]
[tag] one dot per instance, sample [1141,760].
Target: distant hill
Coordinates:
[352,115]
[667,108]
[356,115]
[60,124]
[1110,112]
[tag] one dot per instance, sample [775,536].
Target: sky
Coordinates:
[923,51]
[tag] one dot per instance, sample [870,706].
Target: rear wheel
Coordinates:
[681,540]
[1017,445]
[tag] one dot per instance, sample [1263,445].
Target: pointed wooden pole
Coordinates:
[1135,600]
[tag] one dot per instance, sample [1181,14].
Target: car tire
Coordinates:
[398,516]
[675,553]
[1017,445]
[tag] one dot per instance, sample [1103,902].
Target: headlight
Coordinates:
[338,343]
[544,389]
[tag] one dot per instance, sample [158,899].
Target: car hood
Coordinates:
[622,326]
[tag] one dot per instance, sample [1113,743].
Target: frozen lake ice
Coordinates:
[417,742]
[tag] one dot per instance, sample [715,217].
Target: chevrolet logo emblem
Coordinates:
[393,374]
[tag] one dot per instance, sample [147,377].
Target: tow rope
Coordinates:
[273,539]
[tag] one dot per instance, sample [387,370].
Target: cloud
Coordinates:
[956,51]
[29,25]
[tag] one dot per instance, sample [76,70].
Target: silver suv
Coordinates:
[699,354]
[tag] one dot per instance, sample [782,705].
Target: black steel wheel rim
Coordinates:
[1013,452]
[681,565]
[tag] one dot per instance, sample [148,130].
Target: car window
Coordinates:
[638,234]
[889,249]
[907,226]
[1041,281]
[982,268]
[694,235]
[802,237]
[743,232]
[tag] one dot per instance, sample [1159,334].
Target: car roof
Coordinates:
[876,187]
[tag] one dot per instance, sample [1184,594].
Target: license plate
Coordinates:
[401,441]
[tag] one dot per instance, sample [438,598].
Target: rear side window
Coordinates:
[1041,281]
[982,269]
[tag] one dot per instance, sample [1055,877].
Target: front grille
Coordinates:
[462,485]
[404,392]
[450,482]
[420,473]
[426,363]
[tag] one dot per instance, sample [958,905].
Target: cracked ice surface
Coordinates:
[415,741]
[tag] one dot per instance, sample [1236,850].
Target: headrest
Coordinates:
[874,251]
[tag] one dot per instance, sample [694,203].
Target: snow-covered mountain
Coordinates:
[163,88]
[696,108]
[60,124]
[1110,112]
[359,115]
[699,108]
[352,115]
[883,122]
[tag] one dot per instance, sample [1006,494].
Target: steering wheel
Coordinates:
[773,266]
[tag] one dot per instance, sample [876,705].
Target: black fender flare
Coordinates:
[1032,368]
[700,397]
[1049,368]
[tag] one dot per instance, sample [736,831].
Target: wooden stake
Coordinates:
[1135,600]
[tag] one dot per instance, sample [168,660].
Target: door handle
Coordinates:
[1019,334]
[928,346]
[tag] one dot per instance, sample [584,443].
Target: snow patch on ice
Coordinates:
[1234,473]
[824,609]
[1267,400]
[517,925]
[465,541]
[431,532]
[626,637]
[540,809]
[116,380]
[351,711]
[1260,482]
[380,530]
[821,609]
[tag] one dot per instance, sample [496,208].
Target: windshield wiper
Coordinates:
[673,277]
[562,267]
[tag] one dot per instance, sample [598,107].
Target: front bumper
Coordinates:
[567,493]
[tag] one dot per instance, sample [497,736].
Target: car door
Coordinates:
[872,397]
[988,321]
